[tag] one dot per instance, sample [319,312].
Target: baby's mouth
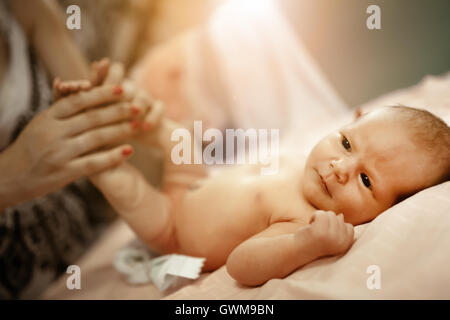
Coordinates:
[324,185]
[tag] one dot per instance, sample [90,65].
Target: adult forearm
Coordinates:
[5,198]
[11,191]
[258,260]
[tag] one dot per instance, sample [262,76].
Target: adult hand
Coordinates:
[62,143]
[148,112]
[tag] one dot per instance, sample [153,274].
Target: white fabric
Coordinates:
[266,78]
[142,266]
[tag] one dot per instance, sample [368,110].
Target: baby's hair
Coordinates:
[431,133]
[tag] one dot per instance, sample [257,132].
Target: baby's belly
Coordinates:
[213,219]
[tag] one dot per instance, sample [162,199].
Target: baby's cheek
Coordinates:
[350,203]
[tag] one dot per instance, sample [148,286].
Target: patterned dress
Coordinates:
[38,238]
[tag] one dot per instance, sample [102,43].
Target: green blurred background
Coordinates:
[414,41]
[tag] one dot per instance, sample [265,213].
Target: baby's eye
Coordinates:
[346,143]
[365,179]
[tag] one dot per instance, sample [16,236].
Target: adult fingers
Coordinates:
[97,138]
[99,117]
[99,161]
[76,103]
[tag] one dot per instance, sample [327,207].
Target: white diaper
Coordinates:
[141,266]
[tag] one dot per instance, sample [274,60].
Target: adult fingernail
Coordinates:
[135,124]
[146,126]
[118,90]
[135,110]
[127,151]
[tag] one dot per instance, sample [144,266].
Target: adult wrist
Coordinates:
[9,181]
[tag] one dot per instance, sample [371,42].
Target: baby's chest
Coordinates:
[227,211]
[283,201]
[218,215]
[225,203]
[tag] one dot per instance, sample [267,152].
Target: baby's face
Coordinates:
[362,169]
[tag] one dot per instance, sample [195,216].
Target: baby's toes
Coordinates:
[65,87]
[85,85]
[76,86]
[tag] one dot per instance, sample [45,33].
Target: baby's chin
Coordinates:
[315,199]
[351,214]
[320,202]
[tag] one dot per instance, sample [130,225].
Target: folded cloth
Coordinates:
[141,266]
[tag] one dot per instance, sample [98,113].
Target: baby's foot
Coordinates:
[99,72]
[65,88]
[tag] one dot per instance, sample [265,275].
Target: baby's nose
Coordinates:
[341,170]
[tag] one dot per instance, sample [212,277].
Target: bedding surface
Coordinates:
[99,279]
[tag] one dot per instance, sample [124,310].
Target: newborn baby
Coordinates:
[265,227]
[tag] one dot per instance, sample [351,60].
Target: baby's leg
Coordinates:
[146,210]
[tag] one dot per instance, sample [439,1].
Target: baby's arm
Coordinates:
[286,246]
[147,210]
[177,178]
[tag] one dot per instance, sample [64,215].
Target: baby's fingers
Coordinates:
[341,222]
[322,217]
[350,231]
[141,104]
[155,115]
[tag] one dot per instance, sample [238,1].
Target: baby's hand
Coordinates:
[329,233]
